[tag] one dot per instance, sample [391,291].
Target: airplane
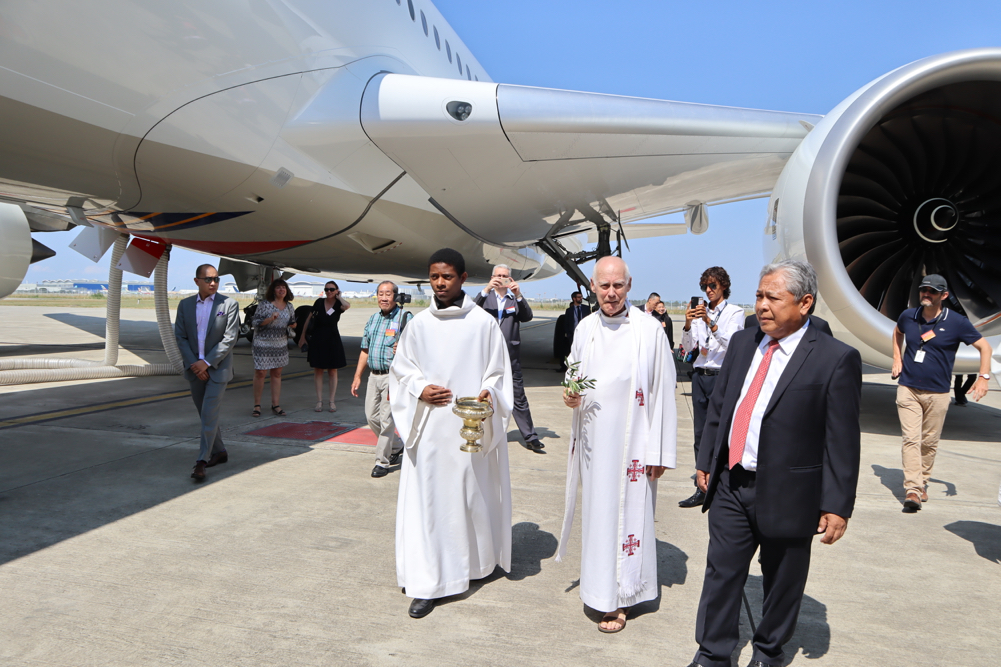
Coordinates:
[353,138]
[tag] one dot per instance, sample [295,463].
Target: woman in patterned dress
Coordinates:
[326,352]
[271,321]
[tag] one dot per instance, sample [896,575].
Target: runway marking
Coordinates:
[125,403]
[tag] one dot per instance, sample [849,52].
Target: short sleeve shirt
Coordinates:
[935,372]
[381,333]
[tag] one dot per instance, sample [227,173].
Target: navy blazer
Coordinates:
[510,324]
[583,311]
[809,446]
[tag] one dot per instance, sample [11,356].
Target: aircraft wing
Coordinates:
[513,164]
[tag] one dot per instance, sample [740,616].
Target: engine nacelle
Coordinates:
[901,180]
[15,247]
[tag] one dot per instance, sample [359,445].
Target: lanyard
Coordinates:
[931,326]
[709,329]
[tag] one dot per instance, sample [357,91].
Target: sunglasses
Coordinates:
[210,279]
[329,289]
[711,286]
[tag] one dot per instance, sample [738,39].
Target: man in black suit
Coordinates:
[574,314]
[783,464]
[502,299]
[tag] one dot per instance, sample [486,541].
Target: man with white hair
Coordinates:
[779,464]
[622,438]
[502,299]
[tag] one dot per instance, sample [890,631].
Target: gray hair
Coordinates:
[625,268]
[501,266]
[396,290]
[801,279]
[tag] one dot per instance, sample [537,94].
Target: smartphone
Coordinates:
[505,281]
[696,302]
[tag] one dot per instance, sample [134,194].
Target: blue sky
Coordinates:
[790,56]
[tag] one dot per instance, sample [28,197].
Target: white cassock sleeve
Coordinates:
[406,383]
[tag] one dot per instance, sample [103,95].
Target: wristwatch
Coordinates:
[985,376]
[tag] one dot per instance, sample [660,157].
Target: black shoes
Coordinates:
[395,458]
[420,608]
[694,500]
[379,471]
[758,663]
[534,446]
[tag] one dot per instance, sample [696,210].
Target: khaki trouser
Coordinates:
[380,418]
[922,414]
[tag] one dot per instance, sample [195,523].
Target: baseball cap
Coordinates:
[934,281]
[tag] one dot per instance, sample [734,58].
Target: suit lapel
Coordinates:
[803,351]
[742,363]
[212,318]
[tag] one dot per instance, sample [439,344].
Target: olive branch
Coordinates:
[576,384]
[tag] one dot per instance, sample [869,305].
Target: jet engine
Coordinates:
[901,180]
[15,247]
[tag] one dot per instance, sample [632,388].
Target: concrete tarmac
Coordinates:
[110,554]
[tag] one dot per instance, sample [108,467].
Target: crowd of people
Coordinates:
[775,402]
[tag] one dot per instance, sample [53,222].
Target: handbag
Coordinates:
[684,357]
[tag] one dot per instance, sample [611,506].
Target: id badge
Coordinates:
[919,357]
[390,332]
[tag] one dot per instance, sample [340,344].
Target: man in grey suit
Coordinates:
[502,299]
[206,329]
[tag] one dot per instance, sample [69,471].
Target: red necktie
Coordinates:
[743,419]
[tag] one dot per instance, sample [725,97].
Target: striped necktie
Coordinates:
[743,419]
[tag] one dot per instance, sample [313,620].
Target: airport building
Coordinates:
[80,287]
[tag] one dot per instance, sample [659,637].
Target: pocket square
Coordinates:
[220,314]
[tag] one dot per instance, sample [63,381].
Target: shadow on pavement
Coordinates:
[891,478]
[529,547]
[986,537]
[812,635]
[672,569]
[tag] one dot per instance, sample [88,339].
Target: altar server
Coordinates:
[453,515]
[623,437]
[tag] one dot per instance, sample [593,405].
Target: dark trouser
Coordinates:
[208,401]
[733,538]
[961,388]
[702,389]
[521,413]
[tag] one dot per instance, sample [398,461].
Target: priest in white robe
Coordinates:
[622,438]
[453,515]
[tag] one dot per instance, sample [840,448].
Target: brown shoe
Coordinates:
[912,503]
[217,458]
[198,474]
[924,495]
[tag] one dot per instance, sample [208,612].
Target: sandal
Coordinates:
[257,410]
[333,408]
[319,407]
[617,616]
[277,409]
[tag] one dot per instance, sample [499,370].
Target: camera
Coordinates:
[402,298]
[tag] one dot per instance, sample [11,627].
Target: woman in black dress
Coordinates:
[326,352]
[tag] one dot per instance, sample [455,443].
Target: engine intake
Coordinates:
[899,181]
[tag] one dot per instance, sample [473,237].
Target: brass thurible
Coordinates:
[472,411]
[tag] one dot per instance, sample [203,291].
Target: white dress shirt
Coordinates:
[203,315]
[730,320]
[501,300]
[780,359]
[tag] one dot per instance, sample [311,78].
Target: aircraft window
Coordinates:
[448,50]
[410,4]
[459,60]
[469,77]
[424,22]
[437,40]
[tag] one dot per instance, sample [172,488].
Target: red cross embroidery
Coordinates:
[631,545]
[639,395]
[635,471]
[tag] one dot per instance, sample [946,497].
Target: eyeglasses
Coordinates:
[329,289]
[711,286]
[210,279]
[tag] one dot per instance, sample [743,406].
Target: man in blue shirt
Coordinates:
[932,335]
[378,346]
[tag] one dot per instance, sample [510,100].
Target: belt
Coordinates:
[375,372]
[707,371]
